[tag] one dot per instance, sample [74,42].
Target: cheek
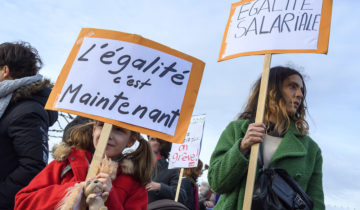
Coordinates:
[122,141]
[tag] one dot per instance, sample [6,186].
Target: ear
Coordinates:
[6,72]
[132,140]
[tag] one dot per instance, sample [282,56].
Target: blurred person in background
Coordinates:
[164,180]
[189,183]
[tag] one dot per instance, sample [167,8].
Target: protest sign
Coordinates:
[129,81]
[186,155]
[258,27]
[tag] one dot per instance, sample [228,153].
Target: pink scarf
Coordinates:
[196,194]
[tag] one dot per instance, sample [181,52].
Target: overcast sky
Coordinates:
[196,28]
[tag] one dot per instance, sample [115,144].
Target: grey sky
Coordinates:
[196,28]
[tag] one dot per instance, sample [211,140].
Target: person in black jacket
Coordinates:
[164,181]
[23,121]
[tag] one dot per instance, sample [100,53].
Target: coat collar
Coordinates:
[290,146]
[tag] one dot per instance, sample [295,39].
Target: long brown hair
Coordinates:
[81,137]
[192,173]
[143,161]
[275,107]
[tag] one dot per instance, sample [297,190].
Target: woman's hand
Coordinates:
[209,204]
[254,134]
[153,186]
[105,180]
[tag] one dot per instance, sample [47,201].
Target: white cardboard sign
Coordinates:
[129,81]
[125,81]
[274,26]
[186,155]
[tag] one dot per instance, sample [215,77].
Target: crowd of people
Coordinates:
[140,179]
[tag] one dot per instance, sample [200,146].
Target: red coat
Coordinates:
[47,188]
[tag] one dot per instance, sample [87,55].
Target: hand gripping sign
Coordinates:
[128,81]
[257,27]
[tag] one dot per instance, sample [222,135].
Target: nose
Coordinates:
[299,93]
[111,136]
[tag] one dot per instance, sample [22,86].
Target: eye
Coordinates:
[119,129]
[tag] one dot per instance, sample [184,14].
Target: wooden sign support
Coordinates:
[249,189]
[100,151]
[179,184]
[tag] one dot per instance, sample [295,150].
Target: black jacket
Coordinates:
[168,178]
[188,187]
[23,139]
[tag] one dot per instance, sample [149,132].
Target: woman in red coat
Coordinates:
[72,159]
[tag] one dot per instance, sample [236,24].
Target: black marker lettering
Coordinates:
[154,114]
[85,98]
[117,98]
[287,20]
[261,27]
[125,104]
[94,99]
[151,64]
[315,18]
[81,58]
[108,54]
[104,100]
[168,69]
[175,114]
[138,63]
[139,108]
[69,89]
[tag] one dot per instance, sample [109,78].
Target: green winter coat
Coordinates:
[297,154]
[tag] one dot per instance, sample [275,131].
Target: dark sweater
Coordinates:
[168,178]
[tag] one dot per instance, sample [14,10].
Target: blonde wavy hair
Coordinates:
[275,106]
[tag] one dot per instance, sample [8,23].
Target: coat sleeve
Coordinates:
[29,135]
[315,189]
[169,191]
[45,191]
[228,166]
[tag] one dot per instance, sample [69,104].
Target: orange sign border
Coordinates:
[323,41]
[190,96]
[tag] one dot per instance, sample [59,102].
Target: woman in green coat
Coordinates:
[284,137]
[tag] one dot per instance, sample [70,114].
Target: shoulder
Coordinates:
[162,165]
[30,99]
[310,144]
[38,91]
[305,140]
[64,153]
[237,126]
[187,182]
[61,151]
[25,108]
[240,124]
[234,130]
